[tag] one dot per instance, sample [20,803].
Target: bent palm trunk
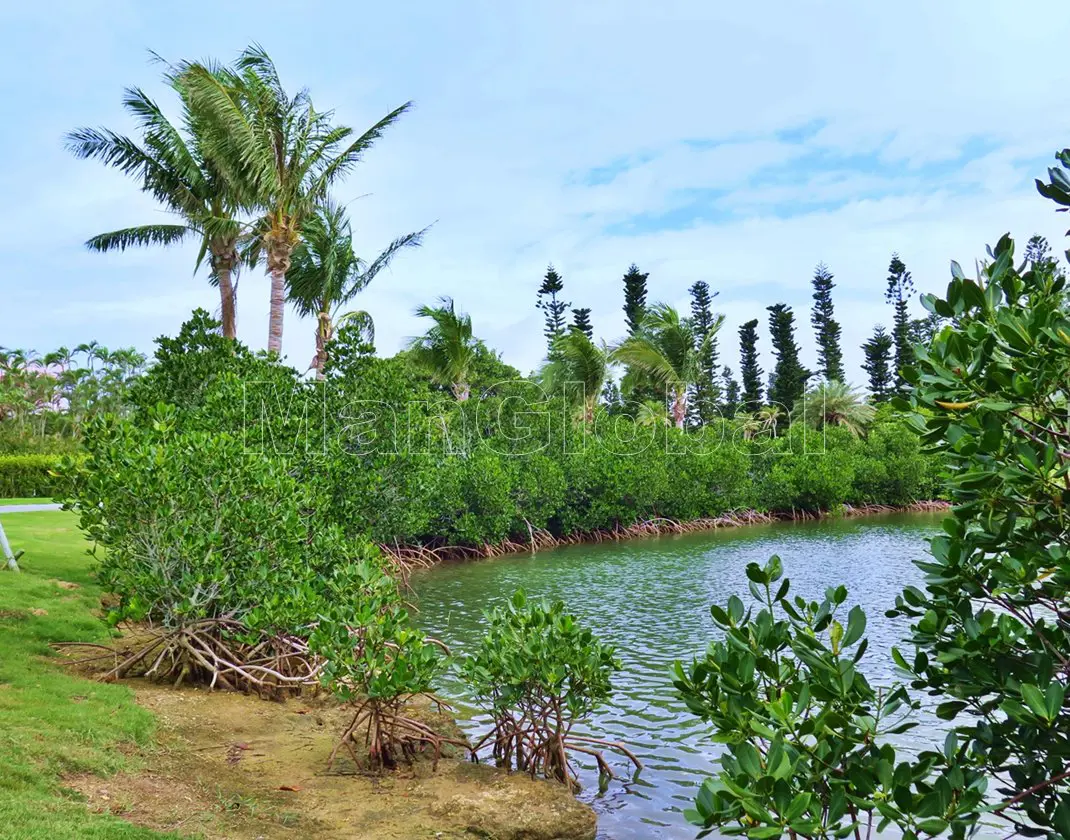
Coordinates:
[679,408]
[324,333]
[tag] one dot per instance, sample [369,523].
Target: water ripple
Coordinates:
[651,599]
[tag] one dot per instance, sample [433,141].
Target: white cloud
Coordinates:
[515,103]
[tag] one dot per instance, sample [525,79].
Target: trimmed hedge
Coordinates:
[25,476]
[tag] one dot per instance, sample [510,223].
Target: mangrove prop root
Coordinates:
[387,736]
[408,557]
[207,653]
[539,742]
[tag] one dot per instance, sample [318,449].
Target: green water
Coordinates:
[651,599]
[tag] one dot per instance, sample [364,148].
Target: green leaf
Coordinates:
[1035,700]
[800,803]
[1054,696]
[749,760]
[948,709]
[856,626]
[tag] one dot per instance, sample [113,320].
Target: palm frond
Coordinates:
[409,240]
[139,236]
[351,155]
[640,352]
[446,351]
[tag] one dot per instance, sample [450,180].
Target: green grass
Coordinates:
[34,500]
[52,723]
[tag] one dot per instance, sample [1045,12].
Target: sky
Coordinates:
[739,144]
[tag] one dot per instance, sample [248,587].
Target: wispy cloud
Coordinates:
[696,139]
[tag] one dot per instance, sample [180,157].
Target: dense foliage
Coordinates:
[215,546]
[992,630]
[28,476]
[45,400]
[397,458]
[808,740]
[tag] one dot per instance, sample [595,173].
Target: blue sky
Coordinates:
[730,143]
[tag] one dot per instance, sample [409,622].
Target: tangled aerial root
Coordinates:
[382,731]
[408,557]
[536,744]
[211,652]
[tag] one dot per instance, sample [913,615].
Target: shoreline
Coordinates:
[408,557]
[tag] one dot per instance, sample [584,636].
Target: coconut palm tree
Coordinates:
[325,274]
[447,350]
[668,351]
[173,165]
[652,413]
[768,418]
[578,369]
[835,404]
[289,153]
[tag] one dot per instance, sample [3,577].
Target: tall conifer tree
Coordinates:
[581,320]
[900,288]
[707,390]
[748,366]
[552,308]
[731,394]
[878,364]
[634,297]
[826,327]
[789,376]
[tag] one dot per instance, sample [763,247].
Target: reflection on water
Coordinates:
[651,599]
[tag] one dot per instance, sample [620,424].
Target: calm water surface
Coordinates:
[651,599]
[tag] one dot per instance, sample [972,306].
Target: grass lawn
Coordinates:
[53,724]
[38,500]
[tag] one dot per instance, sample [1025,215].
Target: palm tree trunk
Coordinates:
[679,408]
[277,311]
[324,333]
[280,249]
[461,391]
[226,303]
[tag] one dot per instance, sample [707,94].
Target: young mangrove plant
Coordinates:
[538,674]
[378,664]
[805,734]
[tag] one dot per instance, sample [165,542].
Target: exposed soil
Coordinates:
[234,766]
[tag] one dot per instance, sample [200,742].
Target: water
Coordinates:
[651,599]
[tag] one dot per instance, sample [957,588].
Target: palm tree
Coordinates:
[668,350]
[173,165]
[749,424]
[578,369]
[835,404]
[289,153]
[768,418]
[652,413]
[326,274]
[447,350]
